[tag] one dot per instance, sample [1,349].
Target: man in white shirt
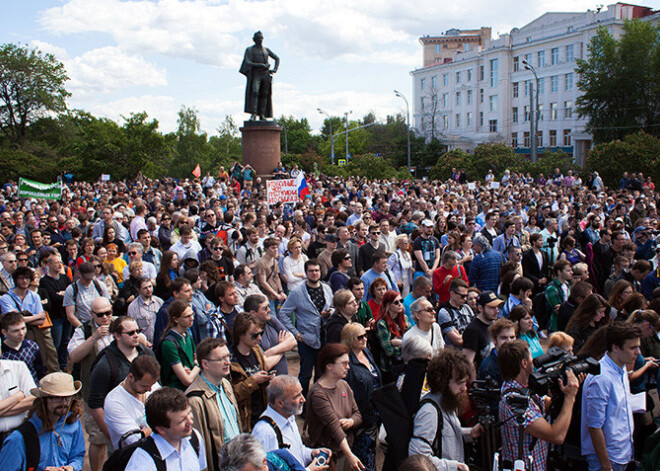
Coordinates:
[185,243]
[285,402]
[171,420]
[15,385]
[123,407]
[135,252]
[425,325]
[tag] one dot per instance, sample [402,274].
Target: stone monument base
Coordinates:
[261,146]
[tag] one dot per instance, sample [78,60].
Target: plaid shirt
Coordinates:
[385,339]
[29,354]
[535,411]
[216,325]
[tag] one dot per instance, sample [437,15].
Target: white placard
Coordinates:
[284,191]
[494,185]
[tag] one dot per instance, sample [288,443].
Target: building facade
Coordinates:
[481,94]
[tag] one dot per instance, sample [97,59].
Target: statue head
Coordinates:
[258,37]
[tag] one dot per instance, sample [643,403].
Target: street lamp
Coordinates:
[346,119]
[332,136]
[533,112]
[400,95]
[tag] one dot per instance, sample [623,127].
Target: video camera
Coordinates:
[553,365]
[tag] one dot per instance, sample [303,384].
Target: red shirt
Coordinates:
[439,275]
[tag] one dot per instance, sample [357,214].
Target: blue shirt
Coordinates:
[605,406]
[370,276]
[184,459]
[407,302]
[485,270]
[65,446]
[11,302]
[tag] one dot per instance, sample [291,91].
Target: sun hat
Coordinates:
[57,384]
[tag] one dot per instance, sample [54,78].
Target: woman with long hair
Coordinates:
[110,237]
[167,273]
[332,413]
[346,308]
[400,265]
[522,318]
[102,273]
[377,290]
[591,313]
[87,247]
[390,327]
[176,351]
[465,252]
[632,303]
[363,377]
[294,264]
[621,290]
[115,263]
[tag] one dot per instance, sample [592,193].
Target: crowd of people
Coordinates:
[151,325]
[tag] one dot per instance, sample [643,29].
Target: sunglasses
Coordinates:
[376,232]
[132,253]
[103,314]
[361,337]
[97,265]
[396,302]
[131,333]
[256,335]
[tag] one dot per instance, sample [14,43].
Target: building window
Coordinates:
[528,58]
[438,48]
[554,56]
[481,73]
[458,120]
[569,53]
[526,139]
[445,122]
[514,139]
[515,89]
[468,117]
[539,138]
[469,75]
[469,97]
[492,103]
[458,98]
[553,138]
[516,64]
[445,99]
[568,109]
[494,69]
[481,95]
[422,84]
[528,87]
[423,124]
[540,58]
[481,118]
[458,77]
[553,111]
[539,110]
[569,82]
[467,47]
[554,84]
[526,112]
[514,114]
[444,80]
[423,100]
[541,89]
[567,137]
[434,82]
[492,125]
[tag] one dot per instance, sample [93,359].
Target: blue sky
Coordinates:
[155,56]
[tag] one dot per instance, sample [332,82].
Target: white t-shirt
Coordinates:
[124,413]
[433,337]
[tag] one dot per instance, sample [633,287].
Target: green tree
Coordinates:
[192,145]
[296,135]
[639,152]
[31,84]
[226,146]
[147,149]
[620,82]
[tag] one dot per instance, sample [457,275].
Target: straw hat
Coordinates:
[57,384]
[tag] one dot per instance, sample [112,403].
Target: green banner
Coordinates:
[46,191]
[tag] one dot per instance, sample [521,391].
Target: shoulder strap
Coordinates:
[436,445]
[87,329]
[149,445]
[276,429]
[32,447]
[98,288]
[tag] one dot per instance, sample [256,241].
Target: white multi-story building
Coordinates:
[481,95]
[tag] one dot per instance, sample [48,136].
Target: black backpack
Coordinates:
[120,458]
[32,446]
[281,445]
[436,445]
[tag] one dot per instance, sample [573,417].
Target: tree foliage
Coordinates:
[620,82]
[611,159]
[31,84]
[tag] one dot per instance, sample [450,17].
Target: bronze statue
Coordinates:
[258,91]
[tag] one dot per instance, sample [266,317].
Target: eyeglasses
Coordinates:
[376,232]
[361,337]
[396,302]
[103,314]
[97,265]
[22,259]
[342,363]
[463,296]
[131,333]
[60,398]
[256,335]
[132,253]
[222,359]
[216,248]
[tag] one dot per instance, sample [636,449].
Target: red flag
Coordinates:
[197,172]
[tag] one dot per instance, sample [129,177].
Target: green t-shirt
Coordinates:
[174,349]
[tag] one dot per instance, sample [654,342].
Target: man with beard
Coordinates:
[437,431]
[285,402]
[516,364]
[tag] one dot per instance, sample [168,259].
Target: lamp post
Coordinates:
[400,95]
[332,136]
[533,111]
[346,119]
[286,140]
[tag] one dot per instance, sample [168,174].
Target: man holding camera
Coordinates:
[607,420]
[516,364]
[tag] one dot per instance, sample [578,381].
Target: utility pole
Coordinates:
[400,95]
[346,119]
[332,137]
[533,112]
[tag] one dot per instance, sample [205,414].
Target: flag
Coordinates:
[197,172]
[301,184]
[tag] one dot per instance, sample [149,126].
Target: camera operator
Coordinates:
[515,361]
[607,420]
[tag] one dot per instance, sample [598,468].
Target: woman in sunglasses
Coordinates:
[391,326]
[250,369]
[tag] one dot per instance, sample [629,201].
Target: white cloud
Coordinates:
[162,108]
[109,68]
[59,52]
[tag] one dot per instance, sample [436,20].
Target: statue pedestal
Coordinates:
[261,146]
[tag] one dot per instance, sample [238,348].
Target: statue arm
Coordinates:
[247,60]
[276,59]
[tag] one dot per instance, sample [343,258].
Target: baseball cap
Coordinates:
[488,298]
[330,238]
[427,223]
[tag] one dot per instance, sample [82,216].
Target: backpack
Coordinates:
[541,310]
[32,447]
[97,286]
[436,444]
[119,459]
